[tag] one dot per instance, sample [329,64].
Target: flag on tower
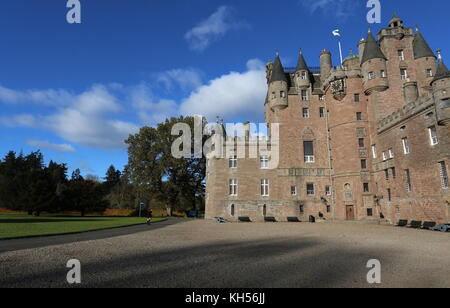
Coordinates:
[336,32]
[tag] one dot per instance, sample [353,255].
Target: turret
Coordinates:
[302,73]
[395,22]
[425,60]
[373,64]
[325,64]
[278,86]
[441,92]
[411,92]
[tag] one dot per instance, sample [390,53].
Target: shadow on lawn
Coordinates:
[35,220]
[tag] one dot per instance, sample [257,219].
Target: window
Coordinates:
[328,209]
[363,164]
[233,162]
[389,194]
[366,187]
[429,73]
[308,151]
[369,212]
[282,94]
[394,173]
[274,95]
[433,135]
[444,175]
[384,156]
[322,112]
[304,95]
[403,74]
[408,180]
[361,142]
[264,210]
[357,98]
[265,187]
[406,148]
[401,55]
[306,112]
[233,187]
[328,190]
[301,209]
[371,75]
[294,190]
[386,174]
[303,75]
[310,189]
[374,151]
[264,161]
[232,210]
[359,116]
[383,73]
[321,97]
[391,153]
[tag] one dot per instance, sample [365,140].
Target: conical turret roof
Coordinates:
[421,47]
[441,71]
[372,50]
[278,71]
[301,64]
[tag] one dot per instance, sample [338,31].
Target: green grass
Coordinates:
[18,225]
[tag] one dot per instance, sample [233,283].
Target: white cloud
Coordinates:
[86,121]
[234,95]
[20,120]
[150,109]
[186,79]
[42,144]
[97,117]
[213,28]
[49,97]
[339,9]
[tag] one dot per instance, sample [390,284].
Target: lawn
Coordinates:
[18,225]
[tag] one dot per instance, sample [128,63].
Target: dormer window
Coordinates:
[383,73]
[429,73]
[303,75]
[274,95]
[282,94]
[371,75]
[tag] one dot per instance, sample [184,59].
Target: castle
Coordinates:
[368,140]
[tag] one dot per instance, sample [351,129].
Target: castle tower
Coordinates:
[302,73]
[278,86]
[373,65]
[441,91]
[425,61]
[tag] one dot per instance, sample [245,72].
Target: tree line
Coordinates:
[152,177]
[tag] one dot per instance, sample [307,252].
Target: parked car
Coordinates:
[442,228]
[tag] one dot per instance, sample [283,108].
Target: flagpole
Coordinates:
[340,53]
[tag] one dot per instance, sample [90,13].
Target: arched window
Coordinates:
[232,210]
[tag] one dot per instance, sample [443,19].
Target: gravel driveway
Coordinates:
[203,254]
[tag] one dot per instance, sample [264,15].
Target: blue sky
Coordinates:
[75,91]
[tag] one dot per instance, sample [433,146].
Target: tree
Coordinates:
[84,195]
[177,182]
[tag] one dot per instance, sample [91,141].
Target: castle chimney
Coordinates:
[325,64]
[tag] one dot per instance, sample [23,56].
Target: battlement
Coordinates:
[409,110]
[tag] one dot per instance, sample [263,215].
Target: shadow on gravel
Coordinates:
[299,263]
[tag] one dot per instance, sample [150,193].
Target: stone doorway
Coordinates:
[350,212]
